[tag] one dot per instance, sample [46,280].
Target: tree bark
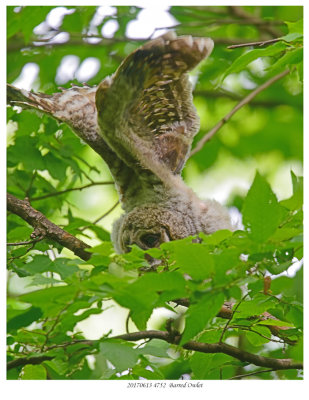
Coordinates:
[47,229]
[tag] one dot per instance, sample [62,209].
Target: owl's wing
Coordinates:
[76,107]
[146,115]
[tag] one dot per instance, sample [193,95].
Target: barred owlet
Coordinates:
[142,121]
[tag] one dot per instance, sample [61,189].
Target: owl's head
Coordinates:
[150,225]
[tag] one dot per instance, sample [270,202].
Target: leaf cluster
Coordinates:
[223,266]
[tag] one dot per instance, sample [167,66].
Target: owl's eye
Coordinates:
[150,239]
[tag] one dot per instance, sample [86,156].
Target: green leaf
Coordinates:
[241,62]
[156,348]
[200,314]
[55,166]
[119,353]
[34,337]
[58,365]
[258,336]
[51,300]
[295,27]
[217,237]
[104,249]
[225,261]
[255,306]
[24,151]
[275,322]
[261,212]
[290,37]
[142,296]
[42,263]
[17,319]
[295,202]
[203,364]
[30,372]
[290,58]
[38,264]
[193,259]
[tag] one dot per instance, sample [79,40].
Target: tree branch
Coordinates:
[35,218]
[70,190]
[242,103]
[20,362]
[25,242]
[227,312]
[261,361]
[241,355]
[260,44]
[261,24]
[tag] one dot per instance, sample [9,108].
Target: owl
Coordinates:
[141,121]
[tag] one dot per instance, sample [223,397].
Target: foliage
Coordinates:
[54,291]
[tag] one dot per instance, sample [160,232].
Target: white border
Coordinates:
[32,390]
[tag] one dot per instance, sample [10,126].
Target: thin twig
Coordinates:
[252,373]
[242,103]
[106,213]
[262,25]
[30,184]
[24,243]
[70,190]
[260,44]
[230,319]
[248,328]
[100,218]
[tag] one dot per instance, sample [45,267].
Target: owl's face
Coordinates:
[145,238]
[149,226]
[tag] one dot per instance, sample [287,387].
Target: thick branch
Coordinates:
[20,362]
[241,355]
[242,103]
[261,361]
[51,231]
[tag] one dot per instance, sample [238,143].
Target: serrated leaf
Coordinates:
[193,259]
[200,314]
[261,212]
[142,296]
[120,354]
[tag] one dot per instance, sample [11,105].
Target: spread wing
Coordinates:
[141,120]
[76,107]
[146,115]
